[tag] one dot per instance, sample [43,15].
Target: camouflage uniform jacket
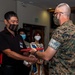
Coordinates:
[63,63]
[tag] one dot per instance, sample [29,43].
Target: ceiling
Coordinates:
[45,4]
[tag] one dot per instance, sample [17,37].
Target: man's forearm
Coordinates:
[17,56]
[41,55]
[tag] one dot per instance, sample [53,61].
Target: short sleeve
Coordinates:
[56,39]
[57,35]
[3,43]
[54,44]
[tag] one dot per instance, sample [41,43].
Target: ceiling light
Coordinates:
[50,8]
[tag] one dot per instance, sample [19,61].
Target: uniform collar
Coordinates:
[68,22]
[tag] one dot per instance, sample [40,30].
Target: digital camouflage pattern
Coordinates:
[63,63]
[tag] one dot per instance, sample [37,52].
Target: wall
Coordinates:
[34,15]
[6,5]
[73,17]
[28,13]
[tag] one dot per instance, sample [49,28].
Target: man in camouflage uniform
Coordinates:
[61,49]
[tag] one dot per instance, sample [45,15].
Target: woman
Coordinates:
[37,68]
[22,33]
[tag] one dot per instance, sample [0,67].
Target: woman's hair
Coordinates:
[35,33]
[21,30]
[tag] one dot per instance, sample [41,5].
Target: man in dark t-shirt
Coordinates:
[10,46]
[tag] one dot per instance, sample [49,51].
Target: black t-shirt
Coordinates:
[15,43]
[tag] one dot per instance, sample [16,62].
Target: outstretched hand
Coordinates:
[33,59]
[33,50]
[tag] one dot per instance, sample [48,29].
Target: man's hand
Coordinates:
[26,53]
[33,50]
[33,59]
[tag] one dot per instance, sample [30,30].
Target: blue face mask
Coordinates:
[23,36]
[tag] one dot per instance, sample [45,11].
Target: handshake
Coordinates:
[32,59]
[31,55]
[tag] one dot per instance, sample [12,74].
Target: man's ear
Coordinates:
[5,21]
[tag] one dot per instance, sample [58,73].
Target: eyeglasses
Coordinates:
[55,14]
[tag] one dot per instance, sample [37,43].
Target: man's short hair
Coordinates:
[10,14]
[66,7]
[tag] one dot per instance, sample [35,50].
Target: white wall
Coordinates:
[27,14]
[6,5]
